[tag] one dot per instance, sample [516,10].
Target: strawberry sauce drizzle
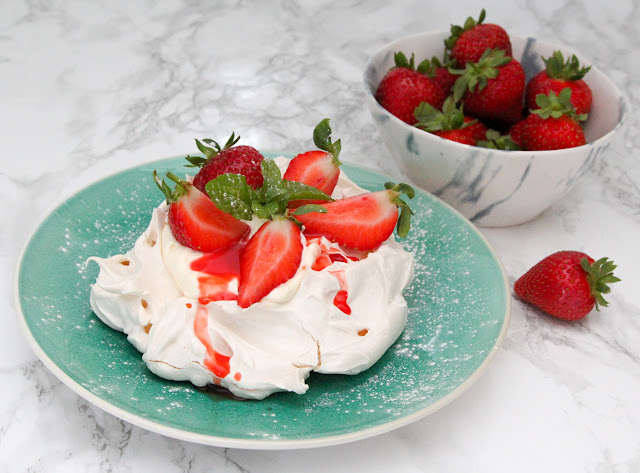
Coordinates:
[340,300]
[221,268]
[215,362]
[327,257]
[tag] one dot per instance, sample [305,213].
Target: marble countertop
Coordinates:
[90,88]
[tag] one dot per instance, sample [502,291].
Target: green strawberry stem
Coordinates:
[555,106]
[400,60]
[478,74]
[210,151]
[497,141]
[322,139]
[558,68]
[171,195]
[450,118]
[456,30]
[404,220]
[599,275]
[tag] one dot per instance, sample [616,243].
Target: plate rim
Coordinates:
[256,444]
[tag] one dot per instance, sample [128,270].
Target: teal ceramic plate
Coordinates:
[459,309]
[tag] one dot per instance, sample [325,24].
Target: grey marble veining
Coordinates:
[90,88]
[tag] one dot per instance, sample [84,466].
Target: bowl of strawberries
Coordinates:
[498,126]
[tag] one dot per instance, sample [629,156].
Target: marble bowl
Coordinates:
[493,188]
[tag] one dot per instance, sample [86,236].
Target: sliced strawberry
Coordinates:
[319,169]
[272,257]
[363,221]
[315,168]
[194,219]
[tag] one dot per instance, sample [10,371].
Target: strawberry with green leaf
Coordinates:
[360,222]
[450,123]
[243,160]
[567,284]
[553,125]
[557,75]
[403,88]
[492,88]
[467,43]
[320,168]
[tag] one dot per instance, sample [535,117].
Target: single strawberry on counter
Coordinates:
[467,43]
[567,284]
[403,88]
[557,75]
[319,169]
[492,88]
[363,221]
[450,123]
[271,257]
[194,219]
[243,160]
[553,125]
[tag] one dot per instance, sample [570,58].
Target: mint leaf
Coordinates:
[232,194]
[308,208]
[298,191]
[271,173]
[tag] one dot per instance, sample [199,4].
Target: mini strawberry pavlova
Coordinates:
[259,271]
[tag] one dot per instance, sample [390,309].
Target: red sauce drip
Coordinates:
[237,376]
[226,261]
[329,255]
[321,262]
[215,362]
[221,267]
[340,300]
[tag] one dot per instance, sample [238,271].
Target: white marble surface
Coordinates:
[89,88]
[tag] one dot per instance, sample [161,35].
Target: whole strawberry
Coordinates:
[403,88]
[244,160]
[450,123]
[558,75]
[492,88]
[439,71]
[567,284]
[554,125]
[467,43]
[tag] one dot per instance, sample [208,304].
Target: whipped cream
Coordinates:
[339,314]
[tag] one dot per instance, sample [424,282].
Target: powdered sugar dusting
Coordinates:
[456,311]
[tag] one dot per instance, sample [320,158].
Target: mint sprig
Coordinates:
[232,194]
